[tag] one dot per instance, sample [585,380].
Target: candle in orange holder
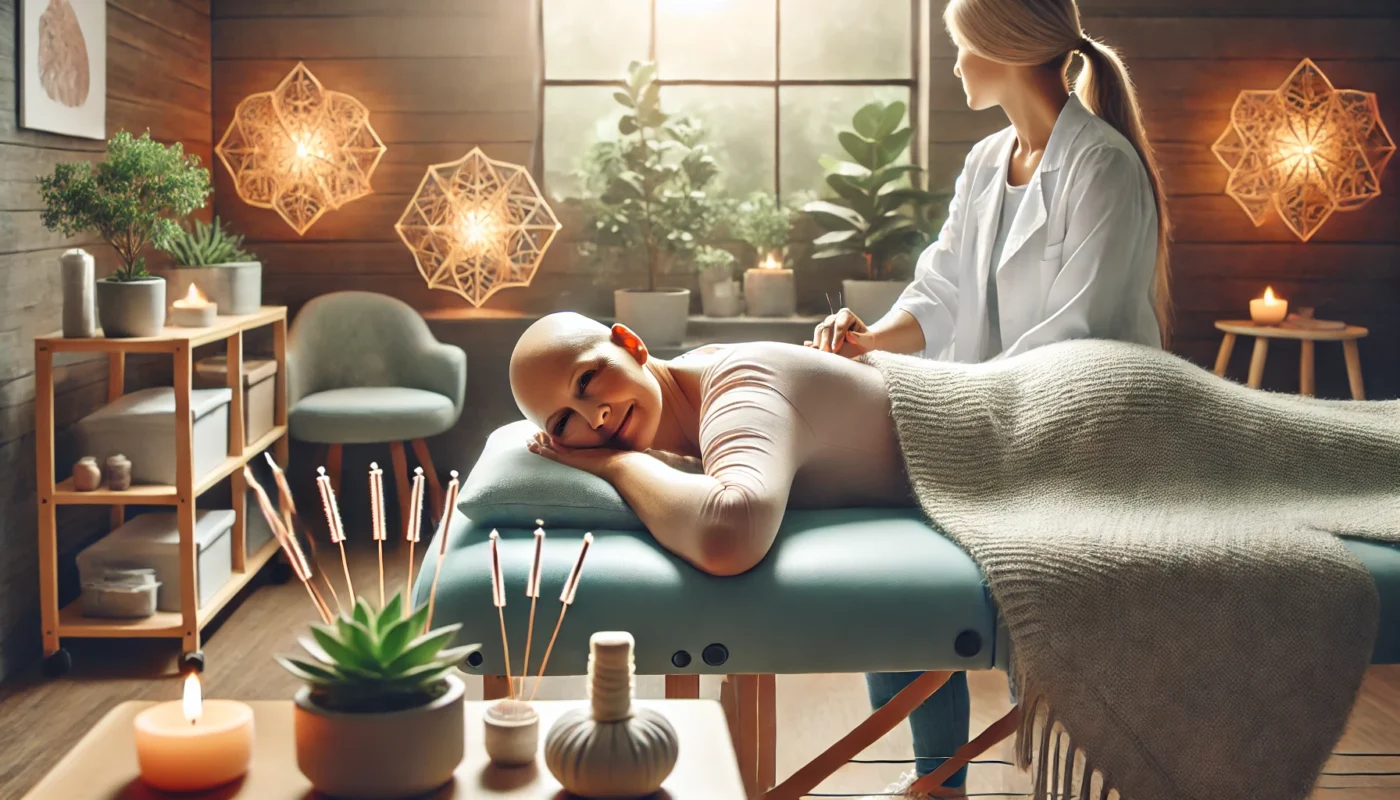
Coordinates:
[769,290]
[193,744]
[1268,310]
[194,310]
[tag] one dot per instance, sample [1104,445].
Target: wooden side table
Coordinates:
[1306,337]
[102,766]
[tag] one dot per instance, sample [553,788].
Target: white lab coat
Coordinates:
[1078,261]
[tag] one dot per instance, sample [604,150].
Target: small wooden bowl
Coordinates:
[512,733]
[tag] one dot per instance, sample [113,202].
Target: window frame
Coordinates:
[917,84]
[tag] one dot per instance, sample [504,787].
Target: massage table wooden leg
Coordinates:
[494,687]
[932,783]
[767,731]
[682,687]
[750,705]
[865,734]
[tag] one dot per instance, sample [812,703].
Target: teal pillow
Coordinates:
[510,487]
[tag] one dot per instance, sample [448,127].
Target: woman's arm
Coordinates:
[1109,251]
[724,520]
[925,315]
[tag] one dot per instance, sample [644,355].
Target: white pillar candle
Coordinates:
[193,744]
[770,290]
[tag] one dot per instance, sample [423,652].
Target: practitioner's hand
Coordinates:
[844,333]
[593,460]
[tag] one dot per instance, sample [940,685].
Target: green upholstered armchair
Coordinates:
[363,368]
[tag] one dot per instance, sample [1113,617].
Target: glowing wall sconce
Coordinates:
[1305,150]
[300,149]
[476,225]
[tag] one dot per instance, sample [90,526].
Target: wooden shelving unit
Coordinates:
[179,344]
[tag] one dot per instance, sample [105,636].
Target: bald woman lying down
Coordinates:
[711,448]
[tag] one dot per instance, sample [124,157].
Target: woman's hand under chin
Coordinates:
[593,460]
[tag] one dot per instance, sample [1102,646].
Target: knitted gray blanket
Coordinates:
[1161,544]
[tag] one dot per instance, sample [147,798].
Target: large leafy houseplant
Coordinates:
[131,198]
[876,213]
[649,192]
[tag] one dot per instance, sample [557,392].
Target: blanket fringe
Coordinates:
[1045,748]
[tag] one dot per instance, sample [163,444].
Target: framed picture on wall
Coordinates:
[63,66]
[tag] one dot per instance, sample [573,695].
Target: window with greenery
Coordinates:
[771,81]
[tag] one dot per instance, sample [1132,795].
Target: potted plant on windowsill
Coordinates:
[130,199]
[719,291]
[877,213]
[652,205]
[765,225]
[213,259]
[381,714]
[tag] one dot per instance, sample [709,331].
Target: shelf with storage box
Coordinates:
[219,436]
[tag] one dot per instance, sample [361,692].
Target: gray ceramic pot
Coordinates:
[131,308]
[659,317]
[236,287]
[399,754]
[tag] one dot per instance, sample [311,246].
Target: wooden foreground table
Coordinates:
[102,766]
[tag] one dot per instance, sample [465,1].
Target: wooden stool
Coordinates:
[1305,336]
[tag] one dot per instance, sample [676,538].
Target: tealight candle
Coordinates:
[1268,310]
[193,744]
[769,290]
[194,310]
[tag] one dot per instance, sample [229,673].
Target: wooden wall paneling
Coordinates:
[158,78]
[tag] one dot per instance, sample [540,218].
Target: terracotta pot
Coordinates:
[396,754]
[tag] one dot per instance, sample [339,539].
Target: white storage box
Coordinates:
[141,426]
[152,541]
[259,393]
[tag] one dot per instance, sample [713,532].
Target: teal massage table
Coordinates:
[840,591]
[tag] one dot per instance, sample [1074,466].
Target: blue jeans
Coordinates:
[940,724]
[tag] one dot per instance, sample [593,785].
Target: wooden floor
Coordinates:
[39,718]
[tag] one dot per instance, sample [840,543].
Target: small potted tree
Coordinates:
[652,204]
[877,214]
[213,259]
[381,714]
[719,291]
[131,199]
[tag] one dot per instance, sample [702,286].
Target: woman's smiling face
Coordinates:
[587,387]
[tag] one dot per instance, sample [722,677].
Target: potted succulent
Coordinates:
[130,199]
[719,291]
[213,259]
[650,202]
[381,714]
[877,213]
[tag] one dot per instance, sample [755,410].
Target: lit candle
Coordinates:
[194,310]
[1268,310]
[769,289]
[193,744]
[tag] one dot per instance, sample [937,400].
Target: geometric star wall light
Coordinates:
[300,149]
[476,226]
[1305,150]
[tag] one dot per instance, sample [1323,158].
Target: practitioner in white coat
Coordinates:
[1057,230]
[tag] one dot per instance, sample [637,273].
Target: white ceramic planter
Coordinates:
[658,317]
[236,287]
[720,298]
[871,300]
[131,308]
[398,754]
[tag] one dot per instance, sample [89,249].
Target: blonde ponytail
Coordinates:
[1107,90]
[1045,33]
